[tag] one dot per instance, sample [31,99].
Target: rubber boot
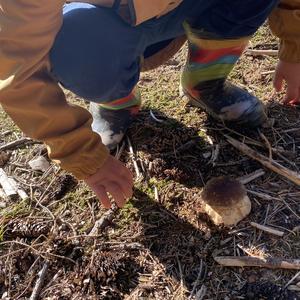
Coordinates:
[204,81]
[111,120]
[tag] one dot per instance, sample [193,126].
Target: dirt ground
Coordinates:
[161,245]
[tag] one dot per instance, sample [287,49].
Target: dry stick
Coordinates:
[120,151]
[197,280]
[292,280]
[255,52]
[155,118]
[136,167]
[269,262]
[38,286]
[265,161]
[269,146]
[268,72]
[267,229]
[104,221]
[7,132]
[18,143]
[263,196]
[252,176]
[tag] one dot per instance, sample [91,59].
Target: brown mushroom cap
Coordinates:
[223,191]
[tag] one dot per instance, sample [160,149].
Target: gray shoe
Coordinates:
[112,125]
[227,102]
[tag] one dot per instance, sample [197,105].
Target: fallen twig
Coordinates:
[136,167]
[38,286]
[155,118]
[265,161]
[257,52]
[267,229]
[120,150]
[18,143]
[252,176]
[268,72]
[269,262]
[104,221]
[7,132]
[292,280]
[120,246]
[263,196]
[197,281]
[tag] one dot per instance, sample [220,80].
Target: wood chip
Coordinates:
[269,262]
[267,229]
[9,189]
[39,164]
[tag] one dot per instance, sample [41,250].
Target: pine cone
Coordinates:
[27,228]
[106,267]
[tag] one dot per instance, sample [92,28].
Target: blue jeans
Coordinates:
[96,54]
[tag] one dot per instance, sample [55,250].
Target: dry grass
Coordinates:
[161,245]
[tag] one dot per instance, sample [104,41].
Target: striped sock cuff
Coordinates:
[211,59]
[133,99]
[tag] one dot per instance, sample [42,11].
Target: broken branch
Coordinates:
[39,283]
[269,262]
[265,161]
[18,143]
[257,52]
[104,221]
[267,229]
[252,176]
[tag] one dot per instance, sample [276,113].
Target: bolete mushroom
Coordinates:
[225,201]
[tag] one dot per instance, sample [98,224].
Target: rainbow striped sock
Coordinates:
[210,60]
[133,100]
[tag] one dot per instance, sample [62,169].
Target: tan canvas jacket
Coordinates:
[36,103]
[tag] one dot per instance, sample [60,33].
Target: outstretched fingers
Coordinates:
[101,193]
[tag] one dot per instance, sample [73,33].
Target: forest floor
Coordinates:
[161,245]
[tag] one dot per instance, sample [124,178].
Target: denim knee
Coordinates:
[233,18]
[89,57]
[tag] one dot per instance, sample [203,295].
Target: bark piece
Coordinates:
[10,190]
[39,164]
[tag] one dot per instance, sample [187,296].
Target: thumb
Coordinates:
[278,81]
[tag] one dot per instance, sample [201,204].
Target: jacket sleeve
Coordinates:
[285,23]
[29,94]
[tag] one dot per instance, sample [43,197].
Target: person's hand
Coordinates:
[290,74]
[113,178]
